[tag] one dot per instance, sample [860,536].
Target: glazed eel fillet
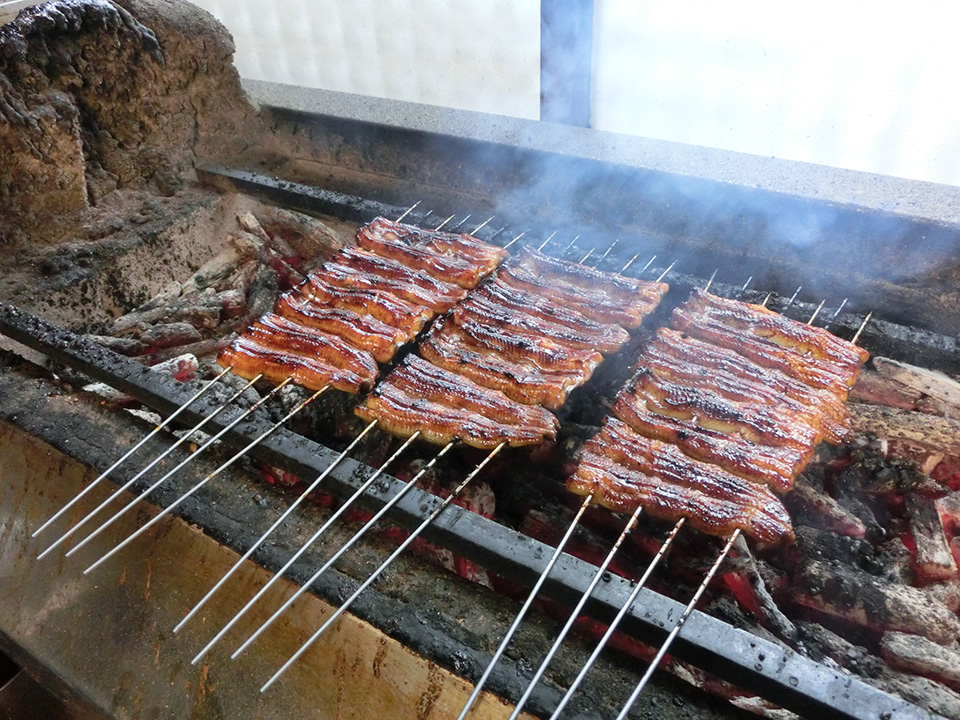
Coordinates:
[389,233]
[362,331]
[621,469]
[445,256]
[776,467]
[702,405]
[444,406]
[362,269]
[746,401]
[754,381]
[765,352]
[765,323]
[280,358]
[355,311]
[602,303]
[446,346]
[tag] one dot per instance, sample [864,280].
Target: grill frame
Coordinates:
[756,665]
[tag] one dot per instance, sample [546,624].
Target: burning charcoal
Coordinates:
[170,335]
[948,507]
[814,507]
[123,346]
[874,388]
[243,276]
[751,591]
[308,236]
[216,269]
[263,291]
[920,656]
[202,349]
[288,276]
[947,592]
[181,368]
[865,601]
[825,646]
[170,293]
[934,560]
[911,435]
[934,390]
[231,303]
[250,223]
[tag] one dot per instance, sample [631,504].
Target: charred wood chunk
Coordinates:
[812,506]
[170,335]
[827,647]
[123,346]
[863,600]
[919,655]
[309,237]
[933,557]
[912,435]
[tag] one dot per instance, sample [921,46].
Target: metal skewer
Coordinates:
[437,228]
[616,620]
[676,628]
[478,687]
[744,288]
[793,297]
[572,243]
[575,613]
[589,253]
[862,326]
[467,217]
[376,573]
[159,482]
[706,287]
[209,384]
[346,546]
[515,239]
[296,556]
[544,243]
[408,211]
[120,490]
[169,509]
[836,314]
[816,312]
[664,273]
[630,262]
[607,252]
[303,496]
[481,225]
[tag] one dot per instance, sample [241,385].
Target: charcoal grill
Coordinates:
[330,154]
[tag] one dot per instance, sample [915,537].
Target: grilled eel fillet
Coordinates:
[279,348]
[761,383]
[621,469]
[482,254]
[448,347]
[385,307]
[737,390]
[602,302]
[496,334]
[765,323]
[769,465]
[444,256]
[542,316]
[362,331]
[443,406]
[708,409]
[361,268]
[765,352]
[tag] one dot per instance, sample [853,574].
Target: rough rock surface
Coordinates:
[98,98]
